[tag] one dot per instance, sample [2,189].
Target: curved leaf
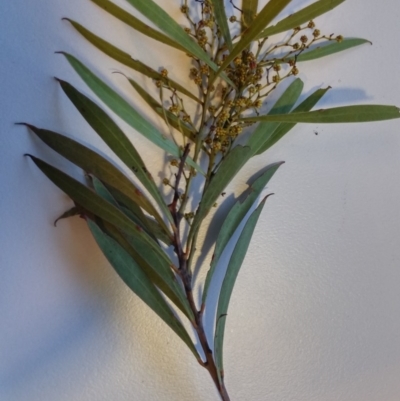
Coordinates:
[234,266]
[284,104]
[222,21]
[126,59]
[137,237]
[117,141]
[300,17]
[234,218]
[137,280]
[92,163]
[124,110]
[284,128]
[330,48]
[136,23]
[346,114]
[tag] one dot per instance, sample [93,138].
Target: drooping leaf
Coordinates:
[116,140]
[230,166]
[284,104]
[136,23]
[167,24]
[265,16]
[330,48]
[249,12]
[171,118]
[234,266]
[222,21]
[137,237]
[124,110]
[298,18]
[92,163]
[126,59]
[284,128]
[234,218]
[346,114]
[137,280]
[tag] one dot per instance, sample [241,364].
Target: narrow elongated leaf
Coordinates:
[266,15]
[330,48]
[136,23]
[234,218]
[169,288]
[126,59]
[346,114]
[234,266]
[91,162]
[171,118]
[137,237]
[300,17]
[114,233]
[135,213]
[233,162]
[284,128]
[222,21]
[167,24]
[117,141]
[249,12]
[131,209]
[124,110]
[137,280]
[284,104]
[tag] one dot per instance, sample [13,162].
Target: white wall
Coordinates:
[315,314]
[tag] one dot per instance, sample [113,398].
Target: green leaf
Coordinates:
[136,23]
[170,118]
[137,280]
[284,104]
[346,114]
[330,48]
[111,195]
[249,12]
[300,17]
[113,232]
[92,163]
[124,110]
[284,128]
[137,237]
[131,209]
[234,218]
[126,59]
[116,140]
[167,24]
[266,15]
[234,266]
[230,166]
[222,21]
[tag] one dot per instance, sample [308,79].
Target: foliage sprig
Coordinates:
[236,62]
